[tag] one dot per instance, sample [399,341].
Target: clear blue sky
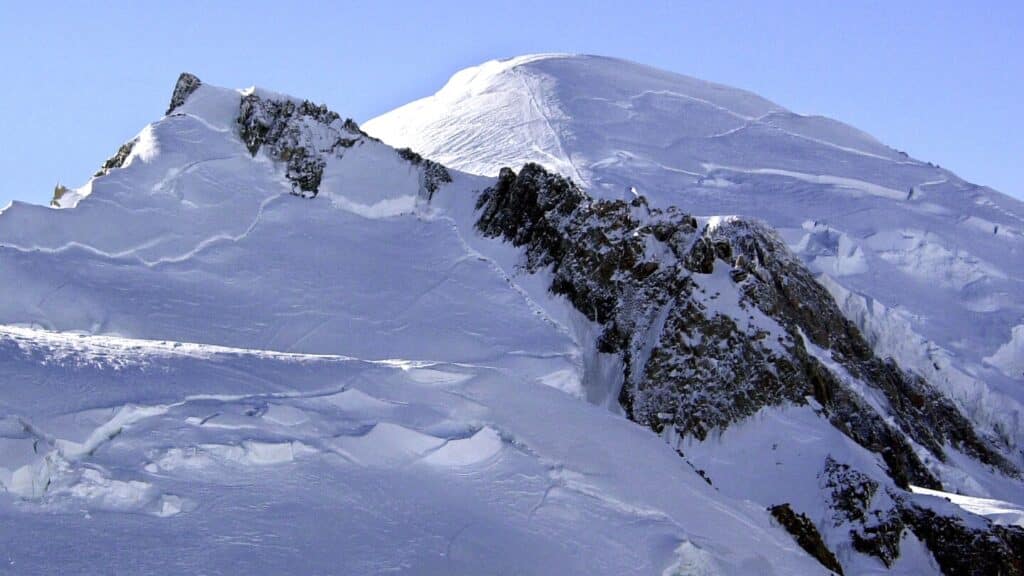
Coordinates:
[941,80]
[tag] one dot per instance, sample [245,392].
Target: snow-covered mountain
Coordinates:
[202,371]
[927,265]
[260,339]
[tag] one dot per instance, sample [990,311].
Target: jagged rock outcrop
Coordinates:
[648,277]
[118,159]
[59,191]
[433,175]
[877,520]
[874,526]
[183,88]
[962,549]
[716,320]
[806,535]
[297,134]
[303,135]
[787,291]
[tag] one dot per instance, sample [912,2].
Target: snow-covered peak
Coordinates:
[897,239]
[518,105]
[595,118]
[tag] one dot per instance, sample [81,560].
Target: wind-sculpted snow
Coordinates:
[910,248]
[328,464]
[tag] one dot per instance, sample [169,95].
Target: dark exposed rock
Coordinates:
[806,535]
[186,85]
[875,531]
[959,546]
[433,174]
[851,491]
[793,296]
[343,143]
[58,192]
[409,155]
[305,170]
[118,159]
[961,549]
[293,132]
[880,536]
[304,135]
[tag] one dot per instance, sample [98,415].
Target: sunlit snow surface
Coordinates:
[200,373]
[929,266]
[160,457]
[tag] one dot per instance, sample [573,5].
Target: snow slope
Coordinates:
[201,372]
[164,457]
[927,265]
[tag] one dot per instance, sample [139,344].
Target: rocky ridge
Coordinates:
[303,135]
[716,320]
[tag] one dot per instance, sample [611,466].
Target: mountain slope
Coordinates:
[926,264]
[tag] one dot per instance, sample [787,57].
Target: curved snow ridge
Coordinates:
[546,112]
[829,180]
[1000,512]
[524,118]
[845,136]
[477,78]
[1009,358]
[134,253]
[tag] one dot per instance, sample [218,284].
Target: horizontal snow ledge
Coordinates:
[998,511]
[383,209]
[837,181]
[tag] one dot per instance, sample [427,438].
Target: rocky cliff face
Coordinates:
[716,320]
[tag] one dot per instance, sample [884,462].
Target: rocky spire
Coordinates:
[186,85]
